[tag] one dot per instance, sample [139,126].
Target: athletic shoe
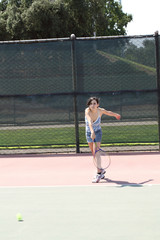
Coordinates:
[102,176]
[99,176]
[96,178]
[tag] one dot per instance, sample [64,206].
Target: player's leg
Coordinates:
[100,172]
[92,147]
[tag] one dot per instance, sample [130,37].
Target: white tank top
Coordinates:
[96,125]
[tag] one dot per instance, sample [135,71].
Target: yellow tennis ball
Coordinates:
[19,217]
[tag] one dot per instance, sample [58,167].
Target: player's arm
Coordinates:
[90,123]
[109,113]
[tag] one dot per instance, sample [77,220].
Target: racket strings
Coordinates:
[102,159]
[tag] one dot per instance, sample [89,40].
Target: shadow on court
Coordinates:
[126,183]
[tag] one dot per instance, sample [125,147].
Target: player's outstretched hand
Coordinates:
[118,116]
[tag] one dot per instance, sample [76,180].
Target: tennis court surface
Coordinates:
[57,199]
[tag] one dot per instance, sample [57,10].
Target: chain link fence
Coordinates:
[44,86]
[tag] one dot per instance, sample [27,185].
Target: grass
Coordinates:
[65,136]
[139,66]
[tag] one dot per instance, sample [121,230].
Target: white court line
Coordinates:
[93,185]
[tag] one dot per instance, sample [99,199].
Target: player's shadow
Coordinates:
[126,183]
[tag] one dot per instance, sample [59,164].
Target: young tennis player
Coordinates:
[93,114]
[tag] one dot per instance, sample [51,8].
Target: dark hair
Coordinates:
[91,99]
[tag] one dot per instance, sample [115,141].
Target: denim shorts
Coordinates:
[98,136]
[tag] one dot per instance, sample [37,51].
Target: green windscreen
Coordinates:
[39,102]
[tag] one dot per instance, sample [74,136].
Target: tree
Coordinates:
[41,20]
[14,24]
[27,19]
[104,17]
[11,21]
[3,5]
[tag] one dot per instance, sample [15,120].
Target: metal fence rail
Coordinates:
[45,85]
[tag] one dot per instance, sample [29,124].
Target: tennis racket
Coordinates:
[101,158]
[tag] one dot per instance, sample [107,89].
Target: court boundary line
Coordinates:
[75,186]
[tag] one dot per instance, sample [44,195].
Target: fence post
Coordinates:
[74,79]
[158,79]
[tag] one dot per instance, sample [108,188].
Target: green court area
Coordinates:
[64,136]
[116,213]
